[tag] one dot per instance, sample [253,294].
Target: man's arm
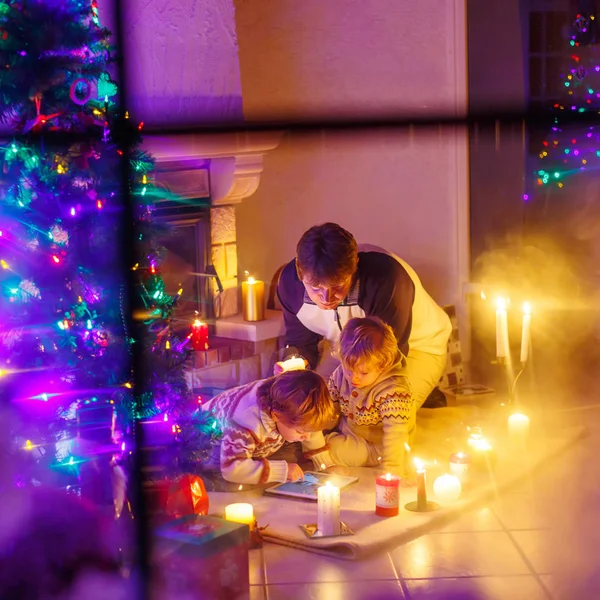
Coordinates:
[387,292]
[299,339]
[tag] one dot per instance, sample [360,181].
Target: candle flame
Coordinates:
[388,477]
[419,464]
[482,445]
[197,323]
[500,303]
[251,280]
[328,483]
[527,308]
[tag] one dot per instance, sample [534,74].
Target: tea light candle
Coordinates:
[387,495]
[253,299]
[518,427]
[447,488]
[199,335]
[525,332]
[501,329]
[475,437]
[460,463]
[295,363]
[421,485]
[240,512]
[328,510]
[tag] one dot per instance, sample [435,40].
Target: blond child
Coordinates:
[256,419]
[378,411]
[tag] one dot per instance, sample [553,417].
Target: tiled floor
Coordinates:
[539,542]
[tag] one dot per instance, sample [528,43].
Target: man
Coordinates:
[332,280]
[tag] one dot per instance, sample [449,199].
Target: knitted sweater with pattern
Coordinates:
[384,414]
[250,436]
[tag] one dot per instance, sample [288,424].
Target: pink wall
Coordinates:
[183,60]
[407,192]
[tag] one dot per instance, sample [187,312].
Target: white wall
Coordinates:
[405,191]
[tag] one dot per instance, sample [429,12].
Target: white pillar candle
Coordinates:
[328,510]
[293,364]
[447,488]
[525,332]
[518,427]
[240,512]
[501,329]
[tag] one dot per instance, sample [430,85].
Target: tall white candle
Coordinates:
[525,333]
[328,510]
[501,329]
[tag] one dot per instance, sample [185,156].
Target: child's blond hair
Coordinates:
[298,399]
[368,340]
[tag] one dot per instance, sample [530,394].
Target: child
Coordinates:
[376,402]
[257,418]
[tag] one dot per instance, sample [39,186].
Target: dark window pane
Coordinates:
[535,77]
[536,32]
[557,31]
[555,80]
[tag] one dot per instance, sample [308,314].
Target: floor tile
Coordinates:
[459,555]
[482,519]
[522,511]
[287,565]
[373,590]
[257,592]
[567,588]
[256,566]
[477,588]
[547,552]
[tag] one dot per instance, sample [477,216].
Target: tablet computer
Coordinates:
[307,489]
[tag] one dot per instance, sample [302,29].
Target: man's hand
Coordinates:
[294,472]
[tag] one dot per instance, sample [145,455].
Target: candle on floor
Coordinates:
[295,363]
[501,329]
[328,510]
[199,335]
[475,437]
[525,332]
[447,488]
[518,427]
[387,495]
[253,299]
[459,465]
[240,512]
[421,485]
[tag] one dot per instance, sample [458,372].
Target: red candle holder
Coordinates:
[199,335]
[387,495]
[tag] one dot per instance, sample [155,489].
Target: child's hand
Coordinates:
[294,472]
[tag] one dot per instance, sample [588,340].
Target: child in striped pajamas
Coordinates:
[256,419]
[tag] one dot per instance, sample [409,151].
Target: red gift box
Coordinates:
[202,557]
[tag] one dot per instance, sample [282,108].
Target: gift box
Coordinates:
[203,558]
[187,496]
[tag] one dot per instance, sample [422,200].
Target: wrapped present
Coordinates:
[203,558]
[187,496]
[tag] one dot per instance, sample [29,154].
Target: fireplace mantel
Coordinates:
[226,168]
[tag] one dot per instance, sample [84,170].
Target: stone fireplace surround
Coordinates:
[214,173]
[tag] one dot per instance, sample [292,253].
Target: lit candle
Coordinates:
[475,437]
[501,329]
[421,485]
[293,364]
[240,512]
[447,488]
[459,465]
[253,299]
[525,333]
[199,335]
[328,510]
[387,495]
[518,427]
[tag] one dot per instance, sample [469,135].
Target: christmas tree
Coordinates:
[65,347]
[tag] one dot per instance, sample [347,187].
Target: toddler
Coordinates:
[378,412]
[256,419]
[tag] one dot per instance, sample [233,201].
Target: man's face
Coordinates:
[327,296]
